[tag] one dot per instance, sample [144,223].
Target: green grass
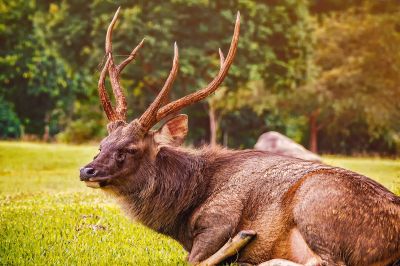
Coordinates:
[48,217]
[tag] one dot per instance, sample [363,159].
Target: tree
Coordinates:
[354,92]
[32,77]
[271,49]
[315,77]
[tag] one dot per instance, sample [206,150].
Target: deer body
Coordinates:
[303,212]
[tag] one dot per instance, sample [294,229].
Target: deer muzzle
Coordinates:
[90,176]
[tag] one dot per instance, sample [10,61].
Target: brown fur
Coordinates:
[203,197]
[302,211]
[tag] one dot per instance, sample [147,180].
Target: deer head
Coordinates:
[130,147]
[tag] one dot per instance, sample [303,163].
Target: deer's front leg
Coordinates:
[212,228]
[214,224]
[208,241]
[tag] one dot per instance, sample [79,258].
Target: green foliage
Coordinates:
[272,46]
[85,126]
[9,122]
[33,77]
[331,59]
[48,217]
[358,76]
[80,131]
[353,80]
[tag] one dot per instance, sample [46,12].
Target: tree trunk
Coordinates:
[313,141]
[46,134]
[225,139]
[213,125]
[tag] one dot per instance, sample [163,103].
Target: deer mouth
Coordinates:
[97,182]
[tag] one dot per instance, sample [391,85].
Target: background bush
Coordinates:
[322,72]
[10,125]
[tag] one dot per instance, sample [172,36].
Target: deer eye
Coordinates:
[131,150]
[119,156]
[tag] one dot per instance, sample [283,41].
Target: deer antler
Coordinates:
[154,113]
[114,71]
[148,118]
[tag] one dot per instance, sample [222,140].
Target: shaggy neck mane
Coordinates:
[169,191]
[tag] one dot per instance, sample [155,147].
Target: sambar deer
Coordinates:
[303,212]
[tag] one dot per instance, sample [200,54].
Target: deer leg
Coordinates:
[232,247]
[207,241]
[213,225]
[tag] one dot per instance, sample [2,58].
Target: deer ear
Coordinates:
[173,132]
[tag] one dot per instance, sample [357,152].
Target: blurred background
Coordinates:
[324,73]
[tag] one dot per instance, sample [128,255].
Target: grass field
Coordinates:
[48,217]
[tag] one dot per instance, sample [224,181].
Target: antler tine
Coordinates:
[110,28]
[148,118]
[132,56]
[212,86]
[120,109]
[105,101]
[114,72]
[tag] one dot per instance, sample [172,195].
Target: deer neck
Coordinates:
[172,187]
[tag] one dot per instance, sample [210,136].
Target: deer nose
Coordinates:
[87,172]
